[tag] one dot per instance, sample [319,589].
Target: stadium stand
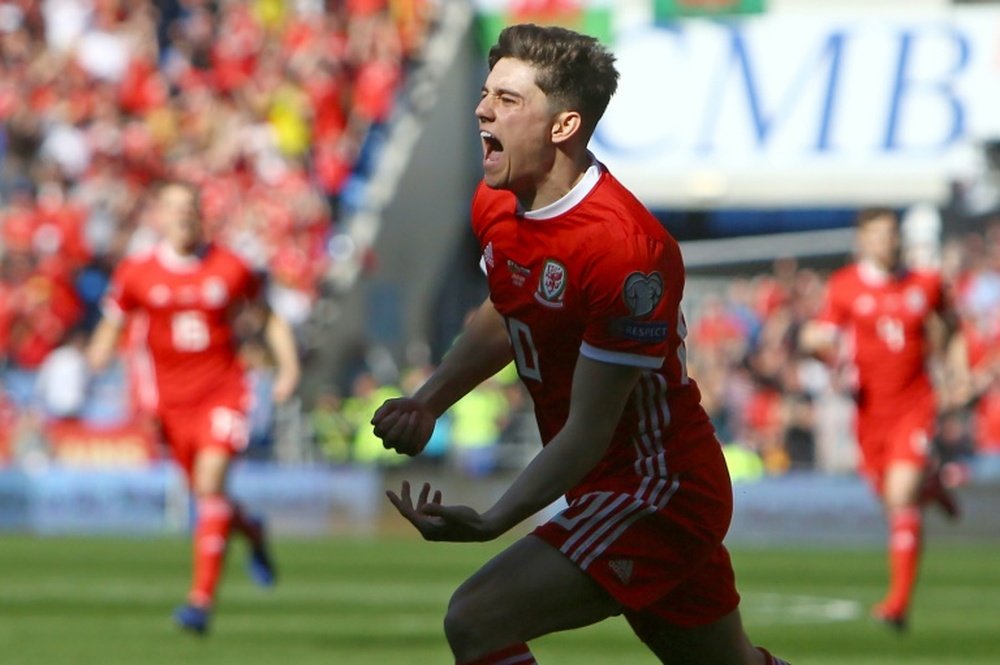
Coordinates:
[273,108]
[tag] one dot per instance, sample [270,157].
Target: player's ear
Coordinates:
[565,125]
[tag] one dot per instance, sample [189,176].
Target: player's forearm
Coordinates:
[560,465]
[482,350]
[599,394]
[281,340]
[102,344]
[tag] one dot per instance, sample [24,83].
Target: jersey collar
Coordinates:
[174,262]
[572,198]
[875,275]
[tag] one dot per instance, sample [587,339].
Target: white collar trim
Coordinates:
[174,262]
[872,274]
[572,198]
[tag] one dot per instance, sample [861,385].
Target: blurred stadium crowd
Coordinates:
[795,411]
[276,108]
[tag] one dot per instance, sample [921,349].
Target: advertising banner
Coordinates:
[74,444]
[592,17]
[830,109]
[671,9]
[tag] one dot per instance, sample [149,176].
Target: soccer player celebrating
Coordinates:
[190,291]
[889,315]
[585,289]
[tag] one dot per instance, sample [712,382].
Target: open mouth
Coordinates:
[491,144]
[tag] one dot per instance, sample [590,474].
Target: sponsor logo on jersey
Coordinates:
[518,273]
[642,293]
[159,295]
[488,255]
[622,568]
[214,292]
[640,331]
[187,295]
[915,299]
[865,304]
[551,284]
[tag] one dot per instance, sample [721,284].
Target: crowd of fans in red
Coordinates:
[269,105]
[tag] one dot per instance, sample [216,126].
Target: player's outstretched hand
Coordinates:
[437,522]
[404,425]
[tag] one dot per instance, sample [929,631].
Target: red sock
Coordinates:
[771,660]
[215,516]
[905,527]
[516,654]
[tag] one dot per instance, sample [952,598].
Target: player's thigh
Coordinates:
[211,468]
[902,484]
[180,432]
[908,456]
[721,642]
[530,589]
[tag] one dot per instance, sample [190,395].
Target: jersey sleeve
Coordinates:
[937,295]
[632,296]
[834,309]
[120,299]
[249,283]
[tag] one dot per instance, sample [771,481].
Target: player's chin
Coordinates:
[490,181]
[495,178]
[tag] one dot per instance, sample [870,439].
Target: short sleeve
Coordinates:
[833,309]
[632,294]
[119,299]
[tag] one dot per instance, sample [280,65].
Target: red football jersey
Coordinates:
[189,304]
[596,274]
[886,318]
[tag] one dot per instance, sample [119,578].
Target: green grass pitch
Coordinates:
[104,601]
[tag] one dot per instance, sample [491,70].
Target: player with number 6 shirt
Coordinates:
[189,292]
[585,289]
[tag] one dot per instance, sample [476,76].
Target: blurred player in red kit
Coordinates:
[191,290]
[585,289]
[888,317]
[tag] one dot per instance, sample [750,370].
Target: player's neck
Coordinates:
[565,174]
[580,190]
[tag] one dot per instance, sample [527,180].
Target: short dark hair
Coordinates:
[866,215]
[576,71]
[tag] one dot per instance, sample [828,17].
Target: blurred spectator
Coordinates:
[61,386]
[477,421]
[366,396]
[265,105]
[332,430]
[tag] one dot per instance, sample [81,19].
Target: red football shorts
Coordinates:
[661,555]
[902,438]
[219,422]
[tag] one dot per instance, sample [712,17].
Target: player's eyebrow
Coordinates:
[501,91]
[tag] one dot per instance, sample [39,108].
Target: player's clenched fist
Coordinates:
[404,425]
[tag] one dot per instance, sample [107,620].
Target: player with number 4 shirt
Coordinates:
[883,316]
[190,291]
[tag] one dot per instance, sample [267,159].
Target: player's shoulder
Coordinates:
[926,277]
[490,205]
[845,277]
[622,210]
[618,223]
[221,254]
[137,261]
